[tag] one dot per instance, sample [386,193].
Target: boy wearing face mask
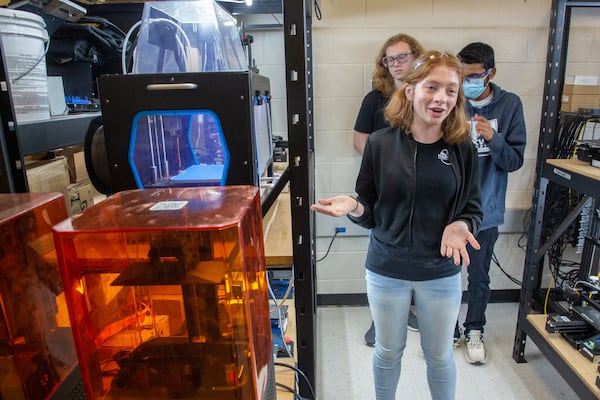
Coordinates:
[498,132]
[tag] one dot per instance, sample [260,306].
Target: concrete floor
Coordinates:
[344,362]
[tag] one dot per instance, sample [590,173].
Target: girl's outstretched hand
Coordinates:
[336,206]
[454,242]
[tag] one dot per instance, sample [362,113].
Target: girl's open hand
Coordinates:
[454,242]
[336,206]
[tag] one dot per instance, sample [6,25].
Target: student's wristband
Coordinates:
[355,207]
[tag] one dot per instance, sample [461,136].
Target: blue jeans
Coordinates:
[478,291]
[437,303]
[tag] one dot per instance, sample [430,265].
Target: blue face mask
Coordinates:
[473,88]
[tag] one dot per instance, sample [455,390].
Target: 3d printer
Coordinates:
[191,129]
[37,352]
[192,113]
[167,291]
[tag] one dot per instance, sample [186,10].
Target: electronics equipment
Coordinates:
[589,151]
[37,352]
[280,280]
[590,256]
[588,313]
[576,339]
[563,322]
[279,318]
[167,291]
[283,346]
[65,9]
[591,347]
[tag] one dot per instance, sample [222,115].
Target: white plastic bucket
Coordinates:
[24,37]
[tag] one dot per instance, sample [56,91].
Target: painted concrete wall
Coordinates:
[345,42]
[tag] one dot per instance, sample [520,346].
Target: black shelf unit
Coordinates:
[568,174]
[56,132]
[560,20]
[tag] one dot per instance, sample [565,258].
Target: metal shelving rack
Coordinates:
[534,259]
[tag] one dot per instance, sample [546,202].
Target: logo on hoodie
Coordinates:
[483,150]
[443,156]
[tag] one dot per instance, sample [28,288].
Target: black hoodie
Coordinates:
[388,199]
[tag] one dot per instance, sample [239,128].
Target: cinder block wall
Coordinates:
[345,42]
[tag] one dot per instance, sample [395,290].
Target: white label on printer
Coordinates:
[562,174]
[168,205]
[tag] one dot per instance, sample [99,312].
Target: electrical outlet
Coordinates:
[340,229]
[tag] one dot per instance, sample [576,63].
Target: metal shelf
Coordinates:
[39,136]
[573,174]
[571,365]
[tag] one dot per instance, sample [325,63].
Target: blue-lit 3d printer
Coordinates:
[164,126]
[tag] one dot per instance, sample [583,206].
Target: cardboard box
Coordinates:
[585,101]
[81,174]
[581,89]
[575,97]
[76,163]
[48,175]
[53,176]
[80,197]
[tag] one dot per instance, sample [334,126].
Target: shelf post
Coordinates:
[298,68]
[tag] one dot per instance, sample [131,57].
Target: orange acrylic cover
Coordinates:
[38,351]
[167,292]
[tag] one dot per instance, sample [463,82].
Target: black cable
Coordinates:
[289,389]
[328,248]
[318,10]
[32,67]
[312,392]
[560,201]
[510,277]
[526,224]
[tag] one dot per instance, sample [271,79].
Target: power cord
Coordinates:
[289,389]
[38,61]
[318,10]
[337,230]
[509,276]
[303,375]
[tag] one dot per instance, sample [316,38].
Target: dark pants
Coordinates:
[478,291]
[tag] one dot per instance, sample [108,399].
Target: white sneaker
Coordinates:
[475,348]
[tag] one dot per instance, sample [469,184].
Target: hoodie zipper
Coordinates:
[414,193]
